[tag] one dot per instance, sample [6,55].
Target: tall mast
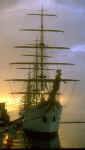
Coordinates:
[36,69]
[42,43]
[39,66]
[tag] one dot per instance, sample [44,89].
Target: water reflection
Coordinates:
[70,136]
[46,142]
[50,144]
[3,139]
[21,141]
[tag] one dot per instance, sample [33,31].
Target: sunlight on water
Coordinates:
[5,139]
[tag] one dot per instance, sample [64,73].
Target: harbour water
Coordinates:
[71,136]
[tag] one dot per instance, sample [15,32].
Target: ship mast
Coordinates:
[36,70]
[42,43]
[40,65]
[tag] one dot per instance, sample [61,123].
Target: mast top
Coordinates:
[40,55]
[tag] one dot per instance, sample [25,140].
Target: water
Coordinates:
[71,136]
[18,141]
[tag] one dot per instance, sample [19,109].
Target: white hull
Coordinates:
[38,120]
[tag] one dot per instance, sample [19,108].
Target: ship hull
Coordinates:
[42,124]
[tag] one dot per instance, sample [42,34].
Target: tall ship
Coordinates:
[42,110]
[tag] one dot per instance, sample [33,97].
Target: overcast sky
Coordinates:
[70,17]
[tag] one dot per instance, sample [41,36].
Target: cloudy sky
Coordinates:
[70,17]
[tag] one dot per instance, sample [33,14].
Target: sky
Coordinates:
[70,17]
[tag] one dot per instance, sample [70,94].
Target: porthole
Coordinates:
[54,119]
[44,119]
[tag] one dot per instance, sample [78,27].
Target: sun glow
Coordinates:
[63,100]
[10,101]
